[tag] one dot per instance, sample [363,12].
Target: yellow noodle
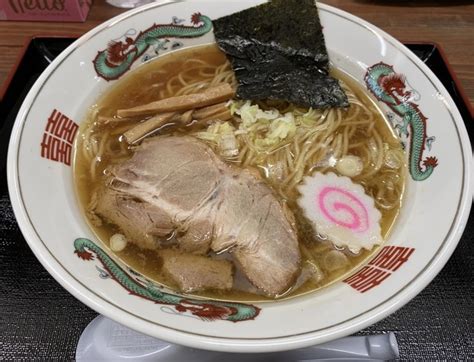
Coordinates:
[331,134]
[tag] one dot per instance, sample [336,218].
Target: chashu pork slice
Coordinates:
[214,206]
[194,273]
[142,223]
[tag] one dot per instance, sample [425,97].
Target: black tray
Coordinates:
[39,319]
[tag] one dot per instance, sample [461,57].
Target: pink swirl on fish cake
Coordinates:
[343,208]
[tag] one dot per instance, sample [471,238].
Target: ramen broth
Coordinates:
[151,82]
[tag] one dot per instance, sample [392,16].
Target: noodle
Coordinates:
[332,134]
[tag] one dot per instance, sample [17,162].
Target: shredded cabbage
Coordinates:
[264,129]
[222,134]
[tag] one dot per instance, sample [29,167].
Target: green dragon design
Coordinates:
[119,56]
[389,87]
[207,310]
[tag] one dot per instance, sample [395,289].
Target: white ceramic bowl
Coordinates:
[428,229]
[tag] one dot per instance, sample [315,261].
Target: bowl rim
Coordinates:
[122,316]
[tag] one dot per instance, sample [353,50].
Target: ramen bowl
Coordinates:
[435,208]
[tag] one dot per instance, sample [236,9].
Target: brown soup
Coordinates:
[361,130]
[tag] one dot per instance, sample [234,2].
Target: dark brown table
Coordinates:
[40,320]
[447,22]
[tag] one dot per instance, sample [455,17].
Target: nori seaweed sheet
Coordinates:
[277,51]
